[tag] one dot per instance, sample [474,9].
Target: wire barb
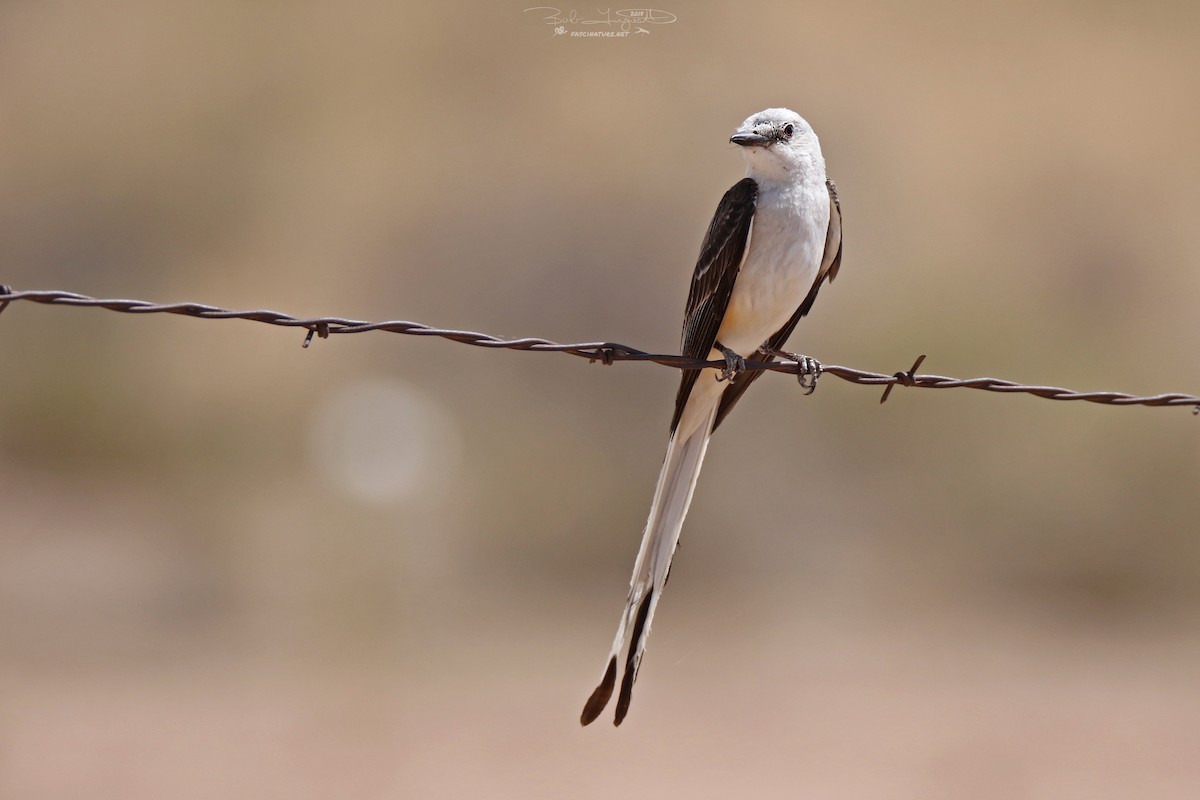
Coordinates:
[903,378]
[606,352]
[320,329]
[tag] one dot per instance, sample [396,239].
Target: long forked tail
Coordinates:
[676,482]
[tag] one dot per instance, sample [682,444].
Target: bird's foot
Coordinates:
[809,368]
[734,364]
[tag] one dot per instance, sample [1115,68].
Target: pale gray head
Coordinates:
[779,144]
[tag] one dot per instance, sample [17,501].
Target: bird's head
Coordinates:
[778,144]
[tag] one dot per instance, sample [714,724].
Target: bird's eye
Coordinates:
[788,130]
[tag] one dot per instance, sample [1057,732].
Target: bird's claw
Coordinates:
[734,364]
[809,369]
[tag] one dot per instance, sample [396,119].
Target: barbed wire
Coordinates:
[605,352]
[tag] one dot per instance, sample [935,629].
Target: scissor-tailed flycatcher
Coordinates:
[776,237]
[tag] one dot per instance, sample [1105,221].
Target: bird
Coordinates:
[775,239]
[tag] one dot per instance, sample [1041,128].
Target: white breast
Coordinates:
[787,241]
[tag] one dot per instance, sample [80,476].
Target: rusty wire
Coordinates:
[606,352]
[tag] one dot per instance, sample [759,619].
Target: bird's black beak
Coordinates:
[749,139]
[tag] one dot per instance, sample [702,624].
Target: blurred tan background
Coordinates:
[390,567]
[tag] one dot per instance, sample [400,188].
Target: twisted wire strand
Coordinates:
[606,352]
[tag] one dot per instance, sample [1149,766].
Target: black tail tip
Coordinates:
[600,696]
[626,695]
[633,658]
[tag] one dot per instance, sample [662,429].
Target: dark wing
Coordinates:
[717,268]
[830,261]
